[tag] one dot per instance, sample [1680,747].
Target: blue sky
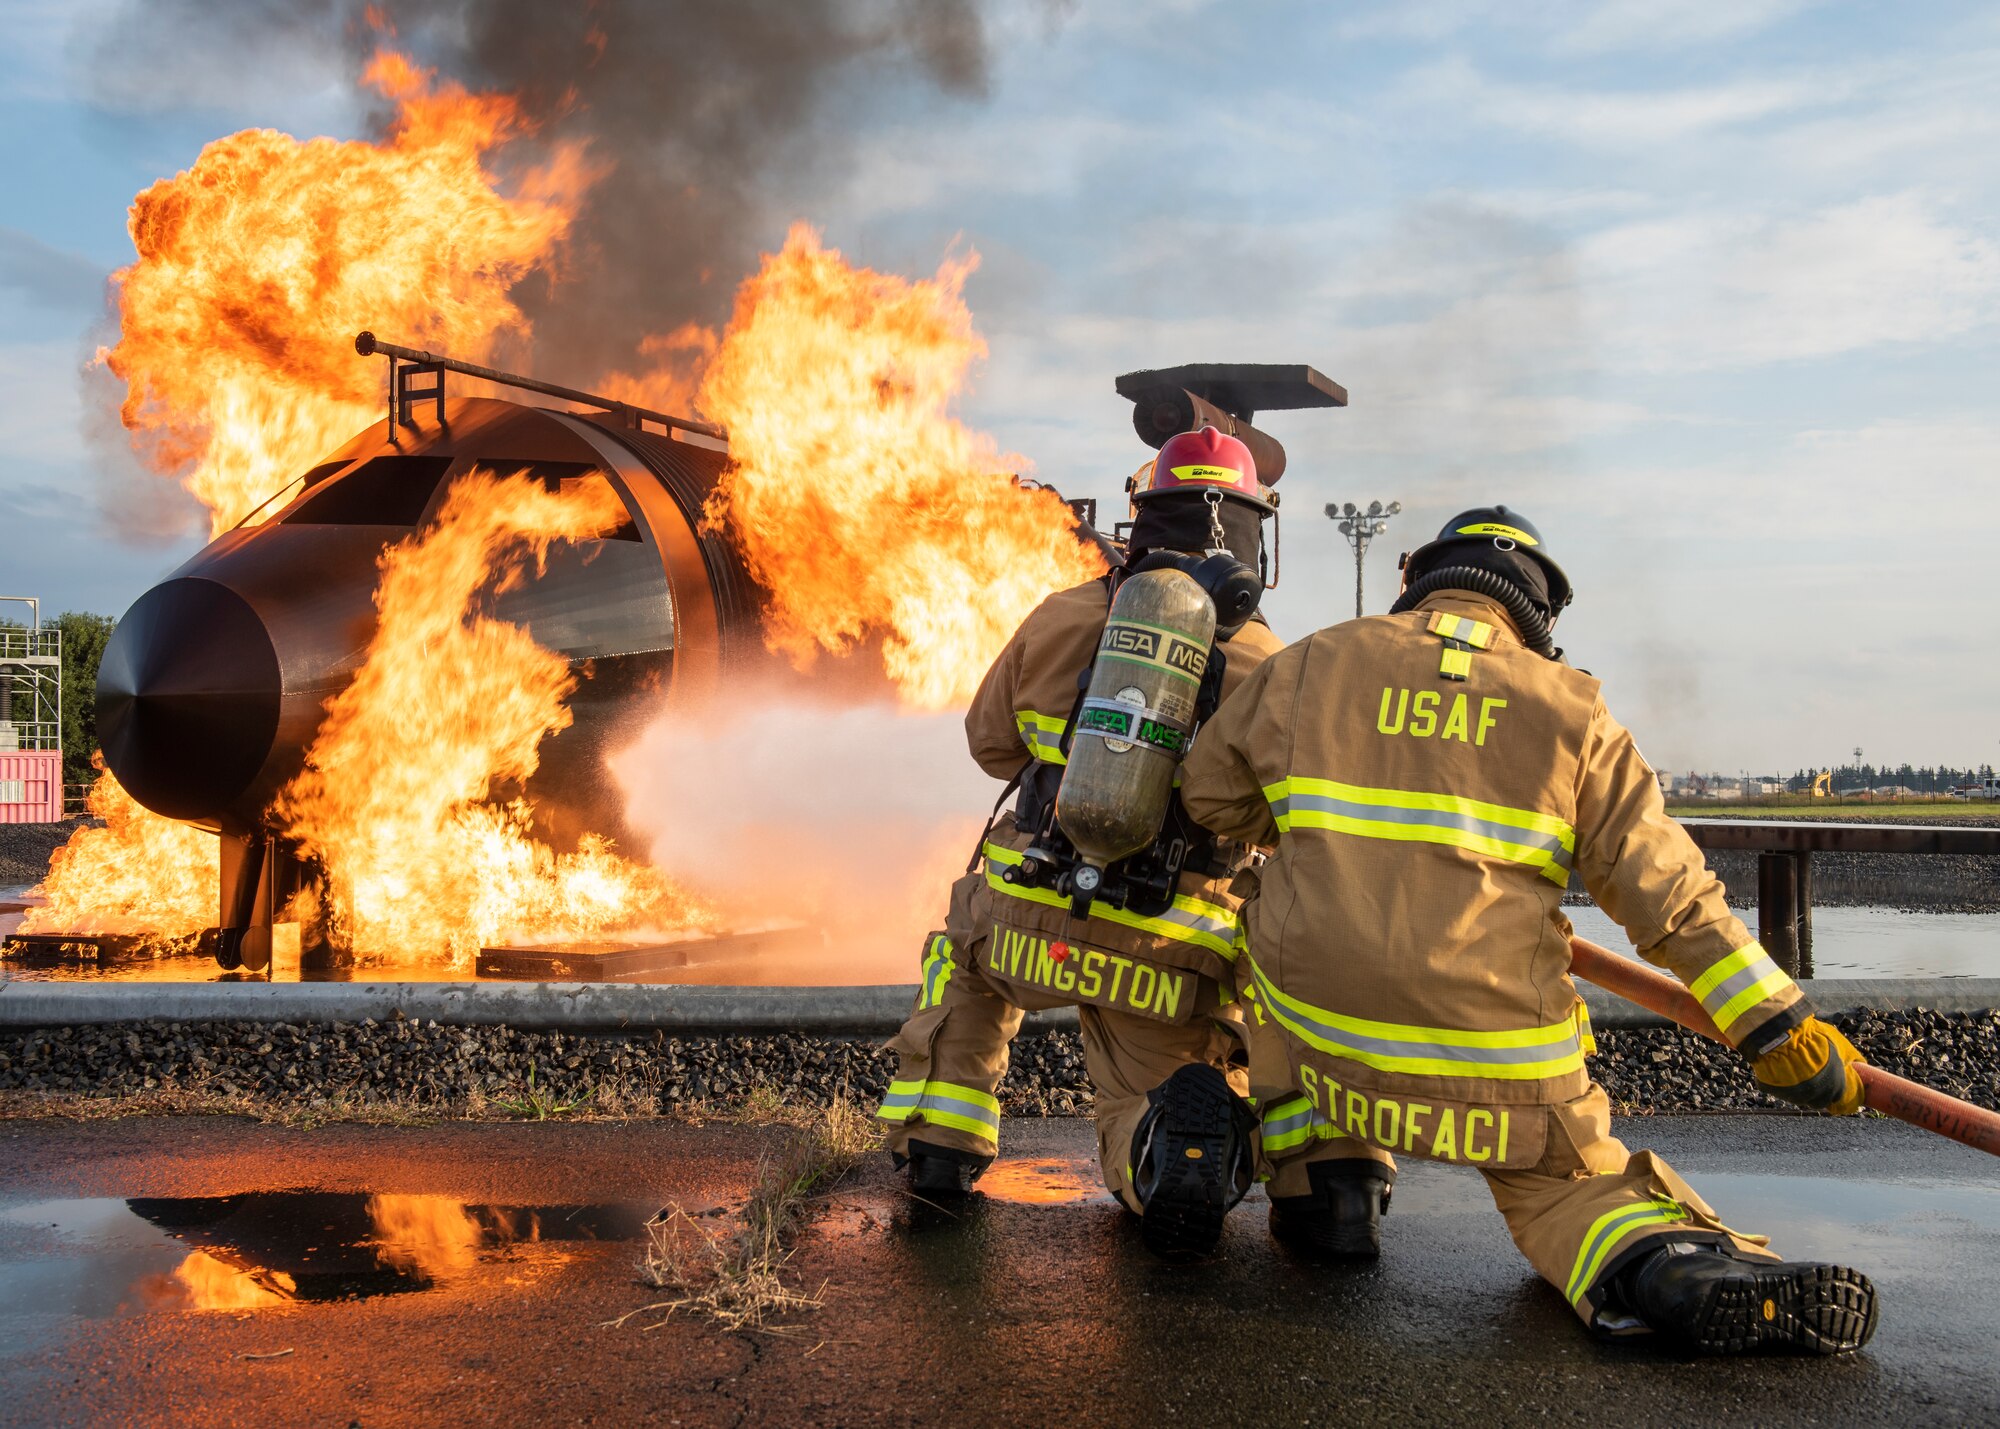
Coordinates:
[1708,290]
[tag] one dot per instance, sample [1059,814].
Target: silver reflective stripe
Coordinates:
[1724,992]
[1223,928]
[1294,1121]
[932,1099]
[1286,804]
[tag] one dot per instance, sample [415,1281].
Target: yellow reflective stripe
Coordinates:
[937,970]
[1042,734]
[1586,1038]
[1524,1054]
[1607,1231]
[1441,803]
[1732,1011]
[1455,664]
[989,1130]
[1737,983]
[1738,961]
[1189,920]
[1476,633]
[1288,1123]
[943,1104]
[1523,836]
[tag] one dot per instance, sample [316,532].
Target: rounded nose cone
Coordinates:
[187,698]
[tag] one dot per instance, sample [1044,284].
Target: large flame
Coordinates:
[393,800]
[258,265]
[863,506]
[201,1282]
[138,874]
[428,1236]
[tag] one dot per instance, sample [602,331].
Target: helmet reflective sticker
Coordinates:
[1494,528]
[1226,475]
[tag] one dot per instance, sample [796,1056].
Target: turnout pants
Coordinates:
[952,1054]
[1584,1210]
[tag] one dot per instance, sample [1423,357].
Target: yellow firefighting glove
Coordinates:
[1814,1068]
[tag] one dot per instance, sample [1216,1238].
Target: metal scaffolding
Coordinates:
[30,679]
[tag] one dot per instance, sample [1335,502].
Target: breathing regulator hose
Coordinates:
[1527,616]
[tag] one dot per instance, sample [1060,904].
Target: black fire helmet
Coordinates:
[1496,539]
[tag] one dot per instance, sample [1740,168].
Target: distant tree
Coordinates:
[84,637]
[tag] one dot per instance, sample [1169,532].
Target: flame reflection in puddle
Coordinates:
[1044,1182]
[262,1251]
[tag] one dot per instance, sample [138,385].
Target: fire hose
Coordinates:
[1887,1093]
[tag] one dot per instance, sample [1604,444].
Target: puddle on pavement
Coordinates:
[269,1249]
[1047,1181]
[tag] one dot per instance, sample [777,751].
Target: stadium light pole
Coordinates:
[1360,527]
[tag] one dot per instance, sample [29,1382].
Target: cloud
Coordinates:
[1610,119]
[39,409]
[1748,607]
[1655,25]
[31,62]
[1578,27]
[1724,289]
[49,277]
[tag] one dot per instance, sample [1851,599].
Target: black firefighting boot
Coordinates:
[1191,1161]
[1342,1214]
[942,1171]
[1711,1301]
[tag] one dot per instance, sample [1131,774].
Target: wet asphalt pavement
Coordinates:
[466,1272]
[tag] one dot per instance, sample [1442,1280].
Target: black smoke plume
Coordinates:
[705,107]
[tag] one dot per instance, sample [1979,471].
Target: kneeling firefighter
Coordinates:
[1097,891]
[1435,779]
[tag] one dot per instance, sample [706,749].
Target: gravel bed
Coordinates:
[457,1068]
[25,849]
[1909,882]
[469,1069]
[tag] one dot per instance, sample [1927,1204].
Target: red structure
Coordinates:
[31,775]
[31,788]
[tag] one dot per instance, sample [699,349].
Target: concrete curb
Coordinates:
[625,1007]
[561,1006]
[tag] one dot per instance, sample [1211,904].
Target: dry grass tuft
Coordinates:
[737,1282]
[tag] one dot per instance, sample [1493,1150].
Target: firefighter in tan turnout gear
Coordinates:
[1147,962]
[1435,780]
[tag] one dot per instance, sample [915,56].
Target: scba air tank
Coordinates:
[1135,722]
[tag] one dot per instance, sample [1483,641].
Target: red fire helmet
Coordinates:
[1204,460]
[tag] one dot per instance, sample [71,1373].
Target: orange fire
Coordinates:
[258,265]
[863,506]
[201,1282]
[139,874]
[875,518]
[430,1236]
[447,703]
[669,382]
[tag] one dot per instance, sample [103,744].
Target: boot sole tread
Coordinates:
[1821,1309]
[1184,1214]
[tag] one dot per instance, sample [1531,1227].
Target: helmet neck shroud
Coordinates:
[1178,521]
[1511,564]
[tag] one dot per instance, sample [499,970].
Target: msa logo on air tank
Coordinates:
[1124,724]
[1154,647]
